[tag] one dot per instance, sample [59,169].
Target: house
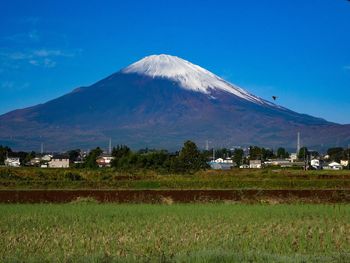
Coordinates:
[228,160]
[219,160]
[220,166]
[279,162]
[333,166]
[46,157]
[104,160]
[40,161]
[316,164]
[255,164]
[344,163]
[35,161]
[12,162]
[59,162]
[293,157]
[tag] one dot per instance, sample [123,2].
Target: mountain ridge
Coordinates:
[153,110]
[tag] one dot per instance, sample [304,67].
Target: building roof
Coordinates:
[60,156]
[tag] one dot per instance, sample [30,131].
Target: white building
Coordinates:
[104,161]
[344,162]
[12,162]
[315,163]
[293,157]
[333,166]
[47,157]
[59,162]
[221,160]
[255,164]
[279,162]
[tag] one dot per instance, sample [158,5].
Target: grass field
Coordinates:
[88,232]
[36,178]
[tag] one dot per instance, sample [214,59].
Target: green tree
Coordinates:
[120,151]
[336,153]
[29,157]
[255,153]
[90,161]
[266,154]
[303,153]
[282,153]
[73,155]
[122,154]
[4,150]
[238,156]
[190,159]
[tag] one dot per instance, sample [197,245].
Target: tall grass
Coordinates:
[87,232]
[36,178]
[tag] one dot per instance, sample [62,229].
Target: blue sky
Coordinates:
[297,50]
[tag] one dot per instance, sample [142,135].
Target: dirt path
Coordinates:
[183,196]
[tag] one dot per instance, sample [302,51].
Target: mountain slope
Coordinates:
[160,101]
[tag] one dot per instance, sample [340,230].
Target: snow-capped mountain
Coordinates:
[187,75]
[159,102]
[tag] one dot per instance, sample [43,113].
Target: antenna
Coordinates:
[349,156]
[298,143]
[110,146]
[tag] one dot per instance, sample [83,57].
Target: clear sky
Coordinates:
[297,50]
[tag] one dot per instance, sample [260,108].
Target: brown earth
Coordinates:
[179,196]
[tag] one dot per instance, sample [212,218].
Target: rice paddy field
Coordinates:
[274,178]
[86,231]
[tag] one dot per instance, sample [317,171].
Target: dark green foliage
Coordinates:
[90,161]
[303,153]
[4,150]
[267,154]
[223,153]
[255,153]
[120,151]
[73,155]
[336,154]
[73,176]
[282,153]
[190,159]
[238,155]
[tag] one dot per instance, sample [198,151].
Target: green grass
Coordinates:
[90,232]
[36,178]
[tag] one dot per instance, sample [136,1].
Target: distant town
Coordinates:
[253,157]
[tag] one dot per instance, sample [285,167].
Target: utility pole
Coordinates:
[110,146]
[298,142]
[349,156]
[207,145]
[213,154]
[42,148]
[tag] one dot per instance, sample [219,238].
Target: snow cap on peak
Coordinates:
[188,75]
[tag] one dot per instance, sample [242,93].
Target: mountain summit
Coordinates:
[187,75]
[159,102]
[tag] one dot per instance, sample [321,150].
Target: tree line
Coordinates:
[188,160]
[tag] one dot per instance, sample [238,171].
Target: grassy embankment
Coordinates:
[36,178]
[175,233]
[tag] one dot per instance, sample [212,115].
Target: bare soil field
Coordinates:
[178,196]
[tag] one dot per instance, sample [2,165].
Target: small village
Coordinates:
[311,161]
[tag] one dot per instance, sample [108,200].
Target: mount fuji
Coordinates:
[159,102]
